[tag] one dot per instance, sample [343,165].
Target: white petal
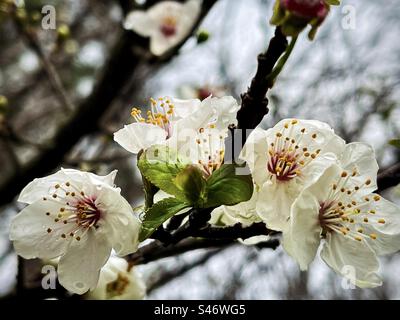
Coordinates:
[192,9]
[225,109]
[352,259]
[220,218]
[160,44]
[79,269]
[138,136]
[29,231]
[141,23]
[254,153]
[322,186]
[316,168]
[302,238]
[361,156]
[274,202]
[183,108]
[84,177]
[120,224]
[387,233]
[41,187]
[164,9]
[254,240]
[244,212]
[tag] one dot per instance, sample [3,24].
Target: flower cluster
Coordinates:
[318,190]
[305,182]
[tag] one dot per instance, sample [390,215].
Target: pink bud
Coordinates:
[307,8]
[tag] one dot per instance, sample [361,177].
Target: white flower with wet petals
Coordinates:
[284,160]
[166,23]
[340,211]
[79,217]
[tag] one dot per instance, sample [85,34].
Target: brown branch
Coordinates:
[236,231]
[156,250]
[389,177]
[254,102]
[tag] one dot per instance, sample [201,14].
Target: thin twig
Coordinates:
[52,74]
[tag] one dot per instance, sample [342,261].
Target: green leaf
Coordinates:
[160,166]
[191,183]
[158,214]
[226,187]
[395,143]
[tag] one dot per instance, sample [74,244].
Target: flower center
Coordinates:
[168,26]
[160,113]
[347,215]
[286,156]
[210,149]
[77,211]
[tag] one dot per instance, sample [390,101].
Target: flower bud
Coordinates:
[202,36]
[294,15]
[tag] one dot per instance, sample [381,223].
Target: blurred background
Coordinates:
[349,77]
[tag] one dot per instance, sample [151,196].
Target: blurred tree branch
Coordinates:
[32,42]
[168,276]
[389,177]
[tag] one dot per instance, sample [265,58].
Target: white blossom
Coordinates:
[166,23]
[284,160]
[340,211]
[79,217]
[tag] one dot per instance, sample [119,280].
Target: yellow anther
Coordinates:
[358,238]
[377,198]
[382,221]
[344,174]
